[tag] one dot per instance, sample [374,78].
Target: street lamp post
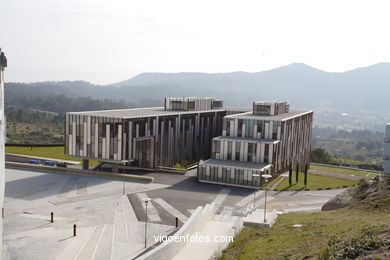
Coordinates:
[255,178]
[124,188]
[266,177]
[146,200]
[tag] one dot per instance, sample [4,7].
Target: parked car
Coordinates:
[34,161]
[50,163]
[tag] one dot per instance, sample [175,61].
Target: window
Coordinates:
[217,146]
[275,130]
[260,128]
[239,128]
[251,151]
[229,151]
[227,127]
[266,153]
[237,156]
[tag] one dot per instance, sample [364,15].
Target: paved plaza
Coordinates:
[110,225]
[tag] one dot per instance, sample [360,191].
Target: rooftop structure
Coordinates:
[386,157]
[133,113]
[270,108]
[192,103]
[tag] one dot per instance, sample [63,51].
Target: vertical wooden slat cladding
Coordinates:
[269,144]
[178,137]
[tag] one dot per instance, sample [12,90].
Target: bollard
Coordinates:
[74,230]
[177,222]
[52,217]
[2,212]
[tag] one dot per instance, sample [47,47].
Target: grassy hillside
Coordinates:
[32,133]
[55,152]
[315,182]
[352,172]
[361,229]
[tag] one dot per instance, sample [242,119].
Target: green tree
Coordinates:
[320,155]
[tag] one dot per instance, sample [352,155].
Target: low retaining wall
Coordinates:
[61,170]
[194,223]
[13,157]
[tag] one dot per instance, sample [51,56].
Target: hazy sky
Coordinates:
[113,40]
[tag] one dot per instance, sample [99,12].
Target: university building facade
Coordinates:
[232,144]
[268,140]
[180,131]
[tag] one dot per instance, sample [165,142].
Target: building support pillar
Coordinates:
[85,164]
[115,168]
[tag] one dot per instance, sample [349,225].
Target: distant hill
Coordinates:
[362,94]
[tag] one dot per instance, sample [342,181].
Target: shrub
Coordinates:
[61,164]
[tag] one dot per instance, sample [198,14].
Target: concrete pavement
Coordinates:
[110,225]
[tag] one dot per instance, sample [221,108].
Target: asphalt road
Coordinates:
[185,194]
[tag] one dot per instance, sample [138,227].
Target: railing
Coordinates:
[192,166]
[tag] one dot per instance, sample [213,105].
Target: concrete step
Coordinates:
[104,248]
[76,244]
[91,246]
[256,218]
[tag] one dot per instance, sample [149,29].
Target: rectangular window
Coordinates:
[266,153]
[239,128]
[229,151]
[226,126]
[250,151]
[217,146]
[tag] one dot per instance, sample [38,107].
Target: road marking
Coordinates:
[174,212]
[221,196]
[152,212]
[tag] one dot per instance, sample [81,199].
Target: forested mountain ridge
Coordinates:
[356,99]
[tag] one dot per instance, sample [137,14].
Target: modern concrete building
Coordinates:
[386,153]
[241,142]
[180,131]
[3,65]
[268,140]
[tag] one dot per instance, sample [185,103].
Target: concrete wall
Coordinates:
[195,223]
[52,169]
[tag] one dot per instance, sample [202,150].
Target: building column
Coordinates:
[115,168]
[85,164]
